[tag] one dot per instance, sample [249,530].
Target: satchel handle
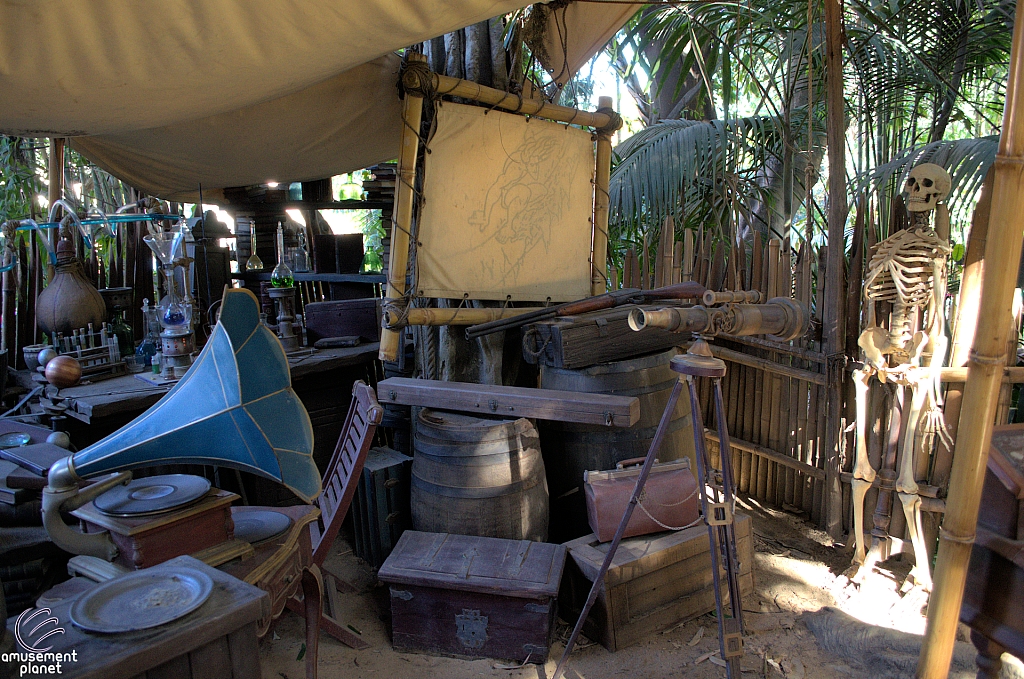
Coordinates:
[633,461]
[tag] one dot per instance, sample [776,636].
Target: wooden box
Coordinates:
[380,511]
[588,339]
[473,597]
[145,541]
[343,318]
[655,582]
[218,639]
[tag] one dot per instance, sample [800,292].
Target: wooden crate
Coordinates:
[473,597]
[380,512]
[588,339]
[655,582]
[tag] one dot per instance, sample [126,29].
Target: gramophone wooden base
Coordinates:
[146,541]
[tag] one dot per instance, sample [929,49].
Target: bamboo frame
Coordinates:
[986,365]
[412,114]
[602,178]
[460,316]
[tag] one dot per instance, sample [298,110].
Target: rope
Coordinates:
[640,504]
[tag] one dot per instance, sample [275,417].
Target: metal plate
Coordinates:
[14,439]
[152,495]
[259,525]
[142,600]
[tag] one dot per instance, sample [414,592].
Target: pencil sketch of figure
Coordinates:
[526,201]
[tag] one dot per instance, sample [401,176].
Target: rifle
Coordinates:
[684,290]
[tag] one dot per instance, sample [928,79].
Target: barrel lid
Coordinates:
[516,568]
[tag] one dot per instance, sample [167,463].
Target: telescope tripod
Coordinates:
[716,506]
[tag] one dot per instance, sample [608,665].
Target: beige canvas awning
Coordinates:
[169,94]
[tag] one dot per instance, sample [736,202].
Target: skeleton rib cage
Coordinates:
[903,267]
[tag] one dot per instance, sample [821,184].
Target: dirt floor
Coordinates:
[800,592]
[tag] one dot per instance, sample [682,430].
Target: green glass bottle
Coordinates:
[123,332]
[282,276]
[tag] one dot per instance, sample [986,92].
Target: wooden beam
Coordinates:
[767,365]
[834,317]
[769,454]
[485,399]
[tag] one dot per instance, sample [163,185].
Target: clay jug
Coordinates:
[70,301]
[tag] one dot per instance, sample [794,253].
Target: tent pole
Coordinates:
[599,256]
[398,263]
[985,370]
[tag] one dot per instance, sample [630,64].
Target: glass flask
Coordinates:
[150,344]
[282,276]
[254,263]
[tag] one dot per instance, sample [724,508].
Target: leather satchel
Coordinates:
[668,502]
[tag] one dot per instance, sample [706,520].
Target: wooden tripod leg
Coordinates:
[312,595]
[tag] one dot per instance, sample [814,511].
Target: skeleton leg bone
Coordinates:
[863,472]
[920,573]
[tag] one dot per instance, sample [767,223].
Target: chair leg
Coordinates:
[989,658]
[312,595]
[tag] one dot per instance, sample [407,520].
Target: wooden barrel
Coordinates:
[570,449]
[478,476]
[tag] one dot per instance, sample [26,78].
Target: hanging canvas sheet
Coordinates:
[508,208]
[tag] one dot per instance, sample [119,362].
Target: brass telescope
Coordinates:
[782,317]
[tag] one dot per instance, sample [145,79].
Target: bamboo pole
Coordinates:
[602,177]
[404,198]
[986,365]
[54,192]
[460,316]
[687,263]
[448,86]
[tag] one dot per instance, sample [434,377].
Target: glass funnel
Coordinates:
[167,246]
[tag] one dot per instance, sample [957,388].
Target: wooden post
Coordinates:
[404,198]
[55,192]
[834,320]
[602,176]
[985,370]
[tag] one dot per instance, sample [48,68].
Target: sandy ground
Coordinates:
[798,570]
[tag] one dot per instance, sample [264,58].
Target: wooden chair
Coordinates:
[339,487]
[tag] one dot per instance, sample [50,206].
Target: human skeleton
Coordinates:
[908,270]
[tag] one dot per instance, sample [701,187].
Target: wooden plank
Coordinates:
[176,668]
[545,404]
[770,455]
[767,365]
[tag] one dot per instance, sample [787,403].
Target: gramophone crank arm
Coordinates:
[62,493]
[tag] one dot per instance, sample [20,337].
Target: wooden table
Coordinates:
[216,641]
[129,395]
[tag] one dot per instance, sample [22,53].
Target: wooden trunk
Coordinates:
[599,337]
[473,597]
[654,582]
[993,603]
[343,318]
[148,540]
[380,513]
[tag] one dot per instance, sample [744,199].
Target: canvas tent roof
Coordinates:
[170,94]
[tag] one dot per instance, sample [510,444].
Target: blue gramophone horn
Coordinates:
[235,407]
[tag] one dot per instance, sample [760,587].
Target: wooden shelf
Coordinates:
[323,277]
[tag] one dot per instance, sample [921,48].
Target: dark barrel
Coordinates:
[478,476]
[570,449]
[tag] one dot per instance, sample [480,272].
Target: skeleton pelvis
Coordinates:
[876,343]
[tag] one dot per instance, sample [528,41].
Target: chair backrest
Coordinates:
[342,476]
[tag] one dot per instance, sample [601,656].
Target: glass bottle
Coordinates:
[123,332]
[254,263]
[150,343]
[282,276]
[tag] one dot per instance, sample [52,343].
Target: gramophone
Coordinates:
[235,407]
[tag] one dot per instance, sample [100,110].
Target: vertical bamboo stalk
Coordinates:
[985,370]
[412,113]
[1006,389]
[599,276]
[687,261]
[55,191]
[775,382]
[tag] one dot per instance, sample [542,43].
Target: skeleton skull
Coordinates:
[927,184]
